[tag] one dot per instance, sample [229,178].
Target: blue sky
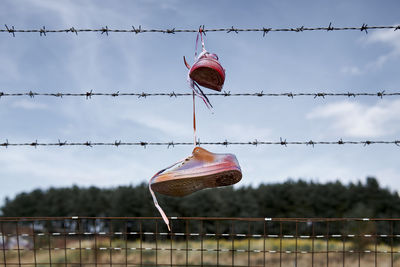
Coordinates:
[339,61]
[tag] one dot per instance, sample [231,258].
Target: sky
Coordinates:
[338,61]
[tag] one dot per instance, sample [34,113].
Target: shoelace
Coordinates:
[195,87]
[196,92]
[163,215]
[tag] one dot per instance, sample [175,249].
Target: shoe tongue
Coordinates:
[203,155]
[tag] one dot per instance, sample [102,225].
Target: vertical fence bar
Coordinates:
[280,244]
[18,247]
[126,242]
[343,244]
[201,242]
[312,244]
[65,243]
[359,251]
[79,233]
[264,240]
[95,242]
[171,245]
[156,239]
[34,243]
[111,235]
[4,244]
[327,244]
[141,242]
[217,236]
[49,243]
[297,231]
[187,234]
[233,243]
[248,245]
[391,243]
[376,245]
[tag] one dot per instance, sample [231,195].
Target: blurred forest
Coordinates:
[288,199]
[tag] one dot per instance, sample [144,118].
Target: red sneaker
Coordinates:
[202,169]
[207,72]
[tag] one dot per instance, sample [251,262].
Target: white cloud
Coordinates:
[390,39]
[353,119]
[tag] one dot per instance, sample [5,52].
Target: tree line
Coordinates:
[289,199]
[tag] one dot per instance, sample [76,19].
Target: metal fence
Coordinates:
[139,241]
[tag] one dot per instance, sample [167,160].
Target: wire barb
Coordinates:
[171,144]
[31,94]
[232,30]
[105,30]
[170,31]
[320,95]
[89,94]
[73,30]
[300,29]
[5,144]
[265,31]
[10,30]
[43,31]
[88,143]
[34,144]
[137,30]
[283,142]
[227,93]
[330,28]
[364,27]
[202,30]
[62,143]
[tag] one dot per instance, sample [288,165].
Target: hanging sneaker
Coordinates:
[202,169]
[207,71]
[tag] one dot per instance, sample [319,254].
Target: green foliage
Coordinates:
[289,199]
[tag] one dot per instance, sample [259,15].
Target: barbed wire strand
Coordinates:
[256,142]
[89,94]
[264,30]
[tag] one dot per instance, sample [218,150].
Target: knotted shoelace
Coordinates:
[196,92]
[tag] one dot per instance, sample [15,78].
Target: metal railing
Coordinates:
[145,241]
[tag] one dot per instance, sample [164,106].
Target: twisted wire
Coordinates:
[90,93]
[106,30]
[256,142]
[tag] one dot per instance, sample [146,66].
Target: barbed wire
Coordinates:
[264,30]
[90,93]
[256,142]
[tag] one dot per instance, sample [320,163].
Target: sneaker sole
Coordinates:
[208,74]
[186,186]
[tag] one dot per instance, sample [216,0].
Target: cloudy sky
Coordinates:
[339,61]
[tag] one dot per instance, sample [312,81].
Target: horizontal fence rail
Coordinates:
[89,94]
[144,144]
[139,29]
[145,241]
